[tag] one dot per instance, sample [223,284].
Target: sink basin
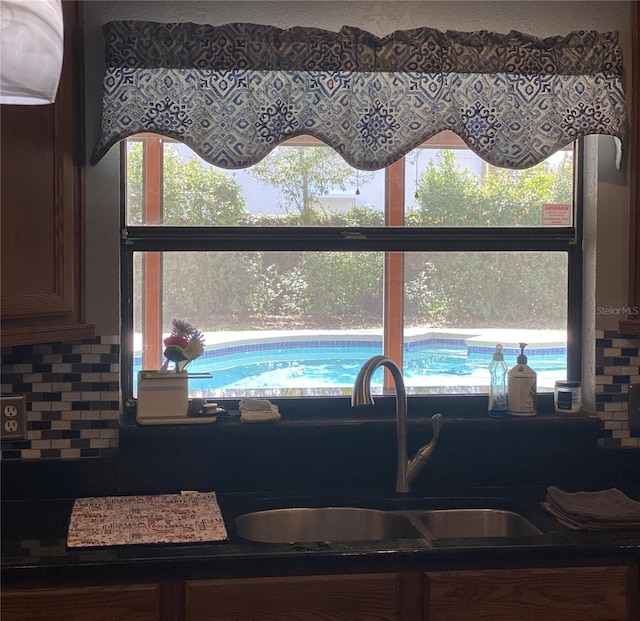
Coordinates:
[305,524]
[296,525]
[461,523]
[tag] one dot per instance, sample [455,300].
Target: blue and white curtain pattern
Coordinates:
[232,93]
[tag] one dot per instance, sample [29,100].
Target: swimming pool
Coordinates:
[326,368]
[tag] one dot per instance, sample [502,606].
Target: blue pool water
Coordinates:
[296,368]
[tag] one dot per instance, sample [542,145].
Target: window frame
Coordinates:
[385,239]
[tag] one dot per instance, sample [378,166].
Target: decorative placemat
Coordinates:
[187,517]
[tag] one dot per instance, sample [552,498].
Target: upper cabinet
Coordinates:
[632,325]
[41,201]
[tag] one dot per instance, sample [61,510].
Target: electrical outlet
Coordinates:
[13,417]
[634,407]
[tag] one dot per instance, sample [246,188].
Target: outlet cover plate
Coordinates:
[13,417]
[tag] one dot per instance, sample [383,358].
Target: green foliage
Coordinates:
[447,195]
[193,194]
[315,285]
[332,289]
[344,284]
[208,288]
[303,175]
[135,182]
[427,298]
[490,288]
[198,195]
[356,216]
[515,198]
[485,289]
[281,288]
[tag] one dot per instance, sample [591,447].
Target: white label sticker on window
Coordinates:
[555,214]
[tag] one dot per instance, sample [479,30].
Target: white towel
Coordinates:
[259,411]
[255,405]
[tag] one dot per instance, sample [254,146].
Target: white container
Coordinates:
[162,397]
[567,397]
[522,386]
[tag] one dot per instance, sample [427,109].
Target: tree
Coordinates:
[483,288]
[346,285]
[193,193]
[254,289]
[305,174]
[135,182]
[198,194]
[447,194]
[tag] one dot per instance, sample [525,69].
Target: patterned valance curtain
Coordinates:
[234,92]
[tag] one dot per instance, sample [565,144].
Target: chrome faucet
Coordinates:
[407,470]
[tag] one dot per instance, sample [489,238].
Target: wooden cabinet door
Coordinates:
[41,201]
[367,597]
[559,594]
[93,603]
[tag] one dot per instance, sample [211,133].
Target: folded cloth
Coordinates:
[258,411]
[608,508]
[255,405]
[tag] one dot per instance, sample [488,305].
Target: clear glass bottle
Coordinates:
[498,388]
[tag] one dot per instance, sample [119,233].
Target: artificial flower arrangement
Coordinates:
[182,346]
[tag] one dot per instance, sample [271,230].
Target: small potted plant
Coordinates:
[163,395]
[182,346]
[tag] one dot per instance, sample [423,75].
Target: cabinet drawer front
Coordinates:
[560,594]
[323,598]
[95,603]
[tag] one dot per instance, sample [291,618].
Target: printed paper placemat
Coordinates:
[187,517]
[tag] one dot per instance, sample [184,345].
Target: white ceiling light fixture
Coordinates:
[31,50]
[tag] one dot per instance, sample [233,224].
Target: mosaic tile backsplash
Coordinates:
[73,398]
[617,368]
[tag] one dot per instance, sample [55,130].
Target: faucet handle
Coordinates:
[436,424]
[423,454]
[421,458]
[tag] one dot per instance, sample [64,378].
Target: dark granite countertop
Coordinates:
[34,542]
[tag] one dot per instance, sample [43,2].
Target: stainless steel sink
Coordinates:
[464,523]
[325,524]
[304,524]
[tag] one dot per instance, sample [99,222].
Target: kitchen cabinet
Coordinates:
[41,202]
[602,593]
[562,594]
[606,593]
[84,603]
[366,597]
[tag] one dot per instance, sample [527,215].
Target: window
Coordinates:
[300,268]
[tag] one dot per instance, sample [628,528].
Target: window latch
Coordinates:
[352,235]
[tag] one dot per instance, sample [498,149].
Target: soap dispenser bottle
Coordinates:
[522,387]
[498,388]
